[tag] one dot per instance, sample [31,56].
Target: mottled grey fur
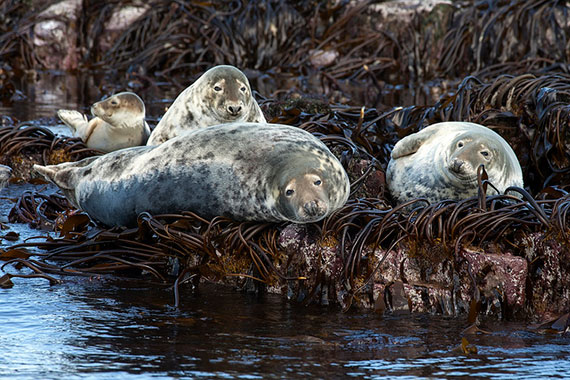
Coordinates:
[5,174]
[221,95]
[440,162]
[238,170]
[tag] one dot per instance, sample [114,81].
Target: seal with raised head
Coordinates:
[245,171]
[119,122]
[440,162]
[221,95]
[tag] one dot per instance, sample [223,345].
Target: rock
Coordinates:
[501,279]
[121,19]
[549,275]
[55,37]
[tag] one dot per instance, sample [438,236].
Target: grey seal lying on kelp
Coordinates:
[245,171]
[440,162]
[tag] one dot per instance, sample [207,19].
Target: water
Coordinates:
[102,328]
[97,328]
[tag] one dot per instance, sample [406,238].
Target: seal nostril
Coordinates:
[456,166]
[234,110]
[313,208]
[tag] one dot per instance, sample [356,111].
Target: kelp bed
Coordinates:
[496,255]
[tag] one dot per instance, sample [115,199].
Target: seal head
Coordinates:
[119,108]
[221,95]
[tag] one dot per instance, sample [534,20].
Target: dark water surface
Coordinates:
[109,330]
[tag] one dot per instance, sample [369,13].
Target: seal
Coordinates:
[118,123]
[440,162]
[244,171]
[221,95]
[5,174]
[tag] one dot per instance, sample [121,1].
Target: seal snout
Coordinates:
[315,209]
[457,166]
[234,109]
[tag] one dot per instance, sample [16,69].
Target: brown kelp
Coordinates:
[25,144]
[493,32]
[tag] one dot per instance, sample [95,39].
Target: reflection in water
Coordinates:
[97,328]
[48,91]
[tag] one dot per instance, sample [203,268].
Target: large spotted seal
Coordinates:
[246,171]
[221,95]
[119,123]
[440,162]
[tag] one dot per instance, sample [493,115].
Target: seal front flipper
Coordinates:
[411,143]
[74,120]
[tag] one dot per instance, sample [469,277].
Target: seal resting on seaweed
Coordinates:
[440,162]
[221,95]
[118,123]
[5,174]
[245,171]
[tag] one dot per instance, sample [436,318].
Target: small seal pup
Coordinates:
[221,95]
[245,171]
[5,174]
[118,123]
[440,162]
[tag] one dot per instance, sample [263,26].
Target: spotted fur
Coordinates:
[5,174]
[440,162]
[244,171]
[221,95]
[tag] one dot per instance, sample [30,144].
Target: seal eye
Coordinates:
[460,144]
[318,182]
[114,102]
[289,192]
[217,88]
[485,154]
[243,89]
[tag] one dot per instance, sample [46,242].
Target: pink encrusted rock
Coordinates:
[504,273]
[318,254]
[429,286]
[314,261]
[430,298]
[506,286]
[549,272]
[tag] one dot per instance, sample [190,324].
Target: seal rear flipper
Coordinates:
[63,176]
[60,176]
